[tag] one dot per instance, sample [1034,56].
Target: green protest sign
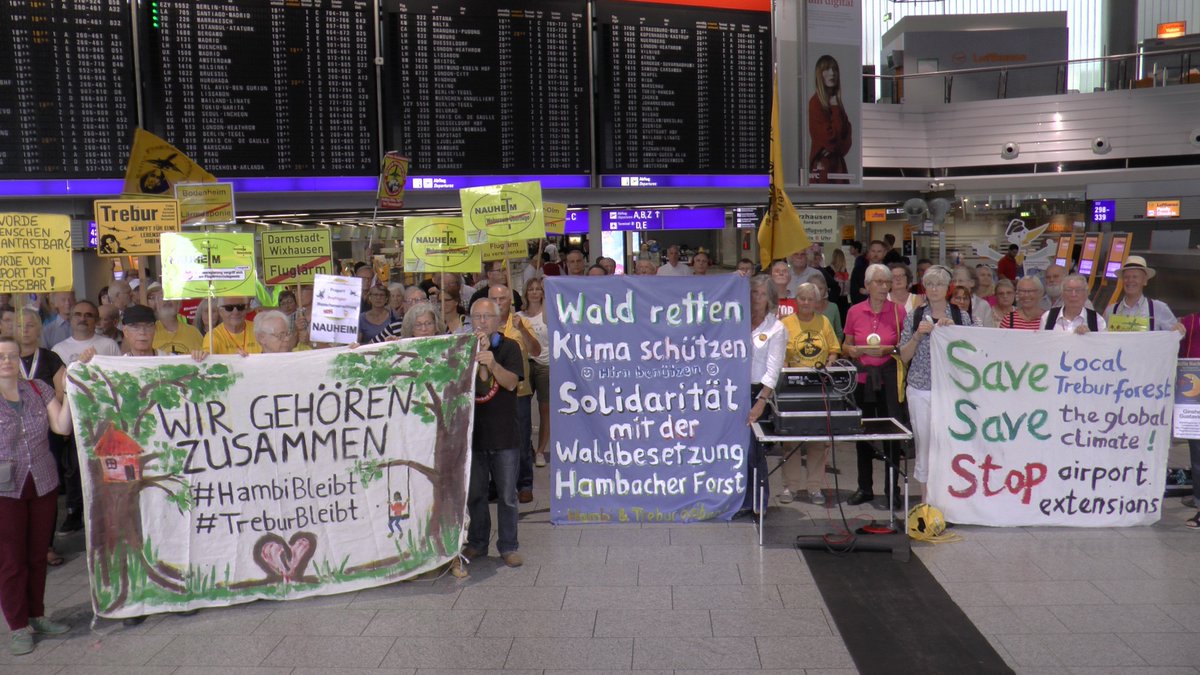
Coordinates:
[204,264]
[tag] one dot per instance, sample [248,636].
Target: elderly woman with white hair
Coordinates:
[769,342]
[872,332]
[914,351]
[275,334]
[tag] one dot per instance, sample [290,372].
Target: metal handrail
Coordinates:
[1039,64]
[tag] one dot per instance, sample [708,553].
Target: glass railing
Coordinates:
[1147,68]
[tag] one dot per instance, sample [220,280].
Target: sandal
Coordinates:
[55,560]
[1193,523]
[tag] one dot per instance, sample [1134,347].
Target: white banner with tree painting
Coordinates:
[274,476]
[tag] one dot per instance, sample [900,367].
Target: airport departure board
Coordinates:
[683,88]
[264,87]
[67,98]
[488,86]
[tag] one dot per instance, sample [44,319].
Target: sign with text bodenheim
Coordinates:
[650,390]
[1049,428]
[220,482]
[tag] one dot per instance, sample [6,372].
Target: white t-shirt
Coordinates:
[69,350]
[538,324]
[669,270]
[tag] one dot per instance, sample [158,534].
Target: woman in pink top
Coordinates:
[872,333]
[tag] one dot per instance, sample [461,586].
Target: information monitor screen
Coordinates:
[477,87]
[264,87]
[683,88]
[67,98]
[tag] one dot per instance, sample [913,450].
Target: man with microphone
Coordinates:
[495,446]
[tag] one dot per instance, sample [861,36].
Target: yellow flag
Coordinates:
[781,233]
[155,166]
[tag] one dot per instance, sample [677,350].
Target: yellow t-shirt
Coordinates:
[512,332]
[185,340]
[221,341]
[809,342]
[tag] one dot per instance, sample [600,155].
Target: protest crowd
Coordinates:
[805,311]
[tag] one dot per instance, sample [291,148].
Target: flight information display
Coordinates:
[264,87]
[67,98]
[683,88]
[488,86]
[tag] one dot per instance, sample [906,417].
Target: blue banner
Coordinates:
[650,382]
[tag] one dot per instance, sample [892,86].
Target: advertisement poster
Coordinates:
[203,264]
[1050,428]
[650,388]
[832,95]
[296,256]
[35,253]
[506,212]
[218,483]
[1187,399]
[337,302]
[439,244]
[133,226]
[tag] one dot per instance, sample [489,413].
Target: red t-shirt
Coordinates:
[551,270]
[887,324]
[1007,268]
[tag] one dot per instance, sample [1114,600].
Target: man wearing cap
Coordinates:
[1134,312]
[138,329]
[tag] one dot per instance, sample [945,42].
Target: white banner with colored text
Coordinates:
[1050,428]
[221,482]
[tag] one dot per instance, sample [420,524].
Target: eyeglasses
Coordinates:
[241,307]
[423,324]
[9,357]
[1074,289]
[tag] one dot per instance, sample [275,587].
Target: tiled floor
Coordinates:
[681,599]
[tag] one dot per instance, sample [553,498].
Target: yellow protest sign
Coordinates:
[503,250]
[506,212]
[392,177]
[435,244]
[155,166]
[296,256]
[35,253]
[555,215]
[133,226]
[205,204]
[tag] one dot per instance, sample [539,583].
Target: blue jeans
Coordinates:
[525,442]
[499,466]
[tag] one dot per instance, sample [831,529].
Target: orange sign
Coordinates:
[847,233]
[1172,29]
[876,215]
[1163,209]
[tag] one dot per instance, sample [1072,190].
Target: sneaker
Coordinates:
[471,554]
[525,496]
[786,497]
[22,641]
[41,624]
[816,497]
[539,460]
[512,559]
[457,570]
[72,523]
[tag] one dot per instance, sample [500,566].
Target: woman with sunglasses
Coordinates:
[28,496]
[235,333]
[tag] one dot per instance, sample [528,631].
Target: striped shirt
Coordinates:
[24,440]
[1018,322]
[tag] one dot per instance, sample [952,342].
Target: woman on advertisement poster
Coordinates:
[829,130]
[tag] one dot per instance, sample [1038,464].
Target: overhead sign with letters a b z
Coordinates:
[133,226]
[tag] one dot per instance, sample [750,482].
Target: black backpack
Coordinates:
[919,313]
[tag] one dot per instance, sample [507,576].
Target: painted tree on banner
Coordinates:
[436,368]
[115,420]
